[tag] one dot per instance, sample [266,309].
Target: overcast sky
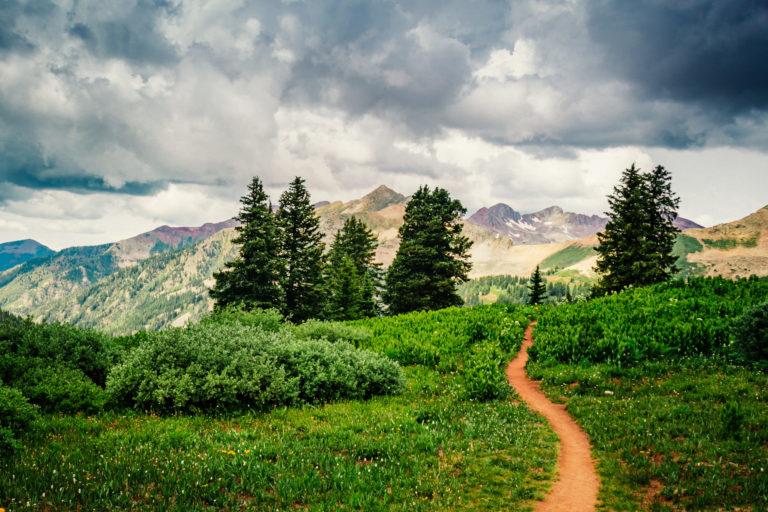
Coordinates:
[120,116]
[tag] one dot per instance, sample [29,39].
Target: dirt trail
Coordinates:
[576,489]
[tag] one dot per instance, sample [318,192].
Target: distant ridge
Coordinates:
[15,253]
[546,226]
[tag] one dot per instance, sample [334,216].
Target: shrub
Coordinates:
[332,331]
[62,389]
[483,373]
[25,345]
[266,319]
[16,415]
[751,336]
[232,365]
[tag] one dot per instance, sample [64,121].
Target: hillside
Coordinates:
[732,250]
[546,226]
[15,253]
[165,289]
[40,281]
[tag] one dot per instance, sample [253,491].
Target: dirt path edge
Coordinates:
[577,485]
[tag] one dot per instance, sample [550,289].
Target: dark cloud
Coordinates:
[707,52]
[24,165]
[134,36]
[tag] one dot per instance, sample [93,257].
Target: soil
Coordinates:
[576,488]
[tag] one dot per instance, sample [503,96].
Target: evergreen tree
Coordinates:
[352,275]
[537,290]
[636,247]
[662,231]
[253,277]
[301,253]
[433,254]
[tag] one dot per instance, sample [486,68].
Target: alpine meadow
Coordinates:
[211,299]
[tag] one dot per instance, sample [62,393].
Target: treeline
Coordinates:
[283,262]
[516,290]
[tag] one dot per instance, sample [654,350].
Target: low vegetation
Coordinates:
[655,376]
[443,433]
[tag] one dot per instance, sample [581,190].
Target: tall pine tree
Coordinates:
[636,247]
[537,289]
[253,277]
[352,275]
[433,254]
[301,254]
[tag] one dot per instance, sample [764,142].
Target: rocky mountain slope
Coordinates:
[15,253]
[42,280]
[548,225]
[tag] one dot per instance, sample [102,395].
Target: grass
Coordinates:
[427,449]
[691,435]
[685,245]
[566,257]
[727,244]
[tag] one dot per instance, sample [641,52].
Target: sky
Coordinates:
[120,116]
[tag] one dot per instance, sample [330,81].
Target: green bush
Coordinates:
[25,345]
[16,415]
[62,389]
[751,336]
[332,331]
[266,319]
[483,373]
[232,365]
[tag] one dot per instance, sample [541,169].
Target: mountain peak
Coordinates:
[382,197]
[19,251]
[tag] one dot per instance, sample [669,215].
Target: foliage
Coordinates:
[432,257]
[441,337]
[270,320]
[427,449]
[537,290]
[514,290]
[332,331]
[636,247]
[61,389]
[751,336]
[253,277]
[483,372]
[223,366]
[301,253]
[25,345]
[352,276]
[16,415]
[696,428]
[666,320]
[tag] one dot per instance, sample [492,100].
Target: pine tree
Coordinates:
[636,247]
[301,253]
[662,230]
[352,275]
[537,290]
[253,277]
[433,254]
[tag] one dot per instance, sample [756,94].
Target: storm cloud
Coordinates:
[143,99]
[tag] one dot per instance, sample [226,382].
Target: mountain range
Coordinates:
[160,278]
[15,253]
[548,225]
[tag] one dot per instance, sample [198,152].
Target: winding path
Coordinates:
[576,488]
